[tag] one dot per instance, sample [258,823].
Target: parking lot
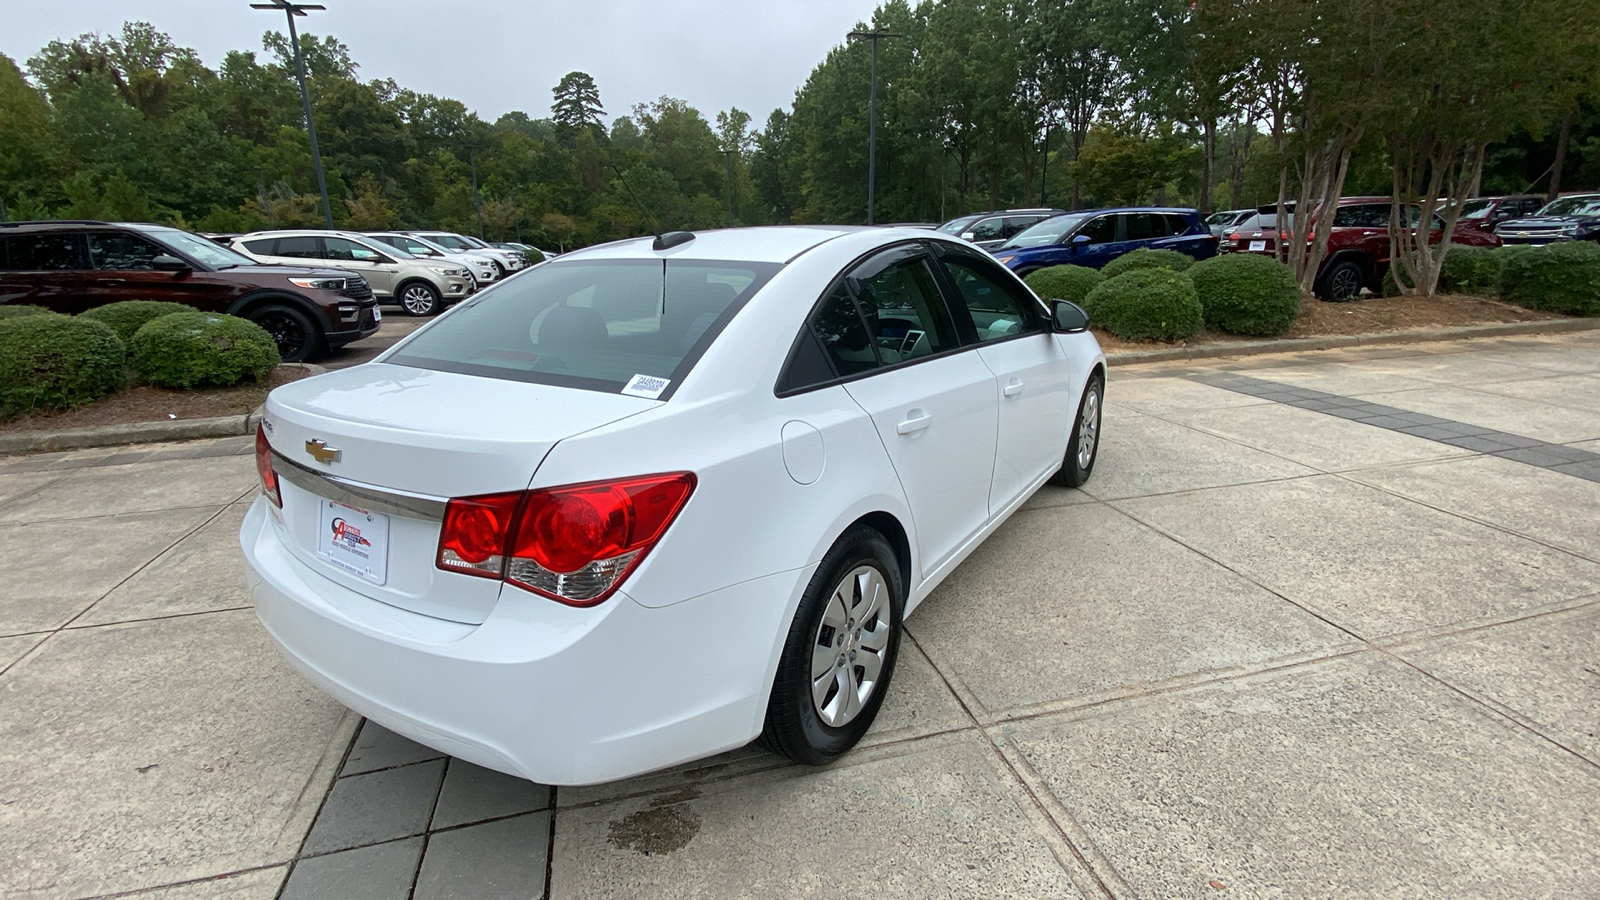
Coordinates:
[1320,625]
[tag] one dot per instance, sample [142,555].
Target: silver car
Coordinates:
[422,287]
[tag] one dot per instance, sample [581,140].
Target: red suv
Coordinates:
[72,266]
[1358,245]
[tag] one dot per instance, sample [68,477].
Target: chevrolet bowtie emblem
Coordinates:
[322,453]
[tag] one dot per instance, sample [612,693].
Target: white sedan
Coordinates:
[655,499]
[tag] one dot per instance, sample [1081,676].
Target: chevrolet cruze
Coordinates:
[652,500]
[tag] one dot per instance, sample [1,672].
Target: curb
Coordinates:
[233,426]
[1333,342]
[139,432]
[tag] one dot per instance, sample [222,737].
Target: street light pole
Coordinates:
[472,153]
[729,154]
[872,115]
[292,10]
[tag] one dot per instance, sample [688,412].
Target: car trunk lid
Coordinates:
[368,456]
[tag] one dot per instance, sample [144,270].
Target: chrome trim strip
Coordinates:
[383,500]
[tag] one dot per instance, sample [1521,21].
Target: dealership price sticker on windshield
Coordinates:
[355,540]
[646,386]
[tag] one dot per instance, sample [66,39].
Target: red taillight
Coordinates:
[574,544]
[473,539]
[1235,237]
[269,477]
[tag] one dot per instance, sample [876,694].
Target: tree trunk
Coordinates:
[1561,158]
[1208,162]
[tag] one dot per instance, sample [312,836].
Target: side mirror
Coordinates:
[168,263]
[1078,240]
[968,236]
[1068,317]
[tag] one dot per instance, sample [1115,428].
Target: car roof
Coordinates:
[773,243]
[304,232]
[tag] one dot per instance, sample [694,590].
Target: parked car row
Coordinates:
[71,266]
[1357,257]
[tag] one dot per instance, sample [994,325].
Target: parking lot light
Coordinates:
[292,10]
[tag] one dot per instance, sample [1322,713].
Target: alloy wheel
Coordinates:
[288,333]
[1345,284]
[1089,427]
[848,650]
[418,300]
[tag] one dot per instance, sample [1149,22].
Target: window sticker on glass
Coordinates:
[646,386]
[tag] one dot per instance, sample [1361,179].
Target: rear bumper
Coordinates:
[539,690]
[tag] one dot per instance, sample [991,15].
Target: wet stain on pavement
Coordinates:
[658,830]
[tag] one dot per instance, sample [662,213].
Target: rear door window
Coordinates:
[347,250]
[46,252]
[621,326]
[121,252]
[990,229]
[1145,226]
[263,247]
[303,247]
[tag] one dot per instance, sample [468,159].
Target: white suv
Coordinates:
[422,287]
[481,269]
[504,260]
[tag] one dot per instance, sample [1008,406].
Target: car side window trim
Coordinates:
[889,255]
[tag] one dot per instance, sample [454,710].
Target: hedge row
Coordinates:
[52,361]
[1152,300]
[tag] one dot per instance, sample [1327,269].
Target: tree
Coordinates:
[577,103]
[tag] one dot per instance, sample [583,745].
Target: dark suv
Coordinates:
[1575,217]
[991,229]
[1095,237]
[72,266]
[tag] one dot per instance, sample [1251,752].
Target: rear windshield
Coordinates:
[634,326]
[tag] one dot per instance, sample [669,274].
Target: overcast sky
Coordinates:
[500,55]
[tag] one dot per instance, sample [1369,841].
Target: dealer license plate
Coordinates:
[1257,246]
[355,540]
[377,314]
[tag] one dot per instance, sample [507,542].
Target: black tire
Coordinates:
[419,298]
[298,338]
[1342,282]
[1077,467]
[500,270]
[794,726]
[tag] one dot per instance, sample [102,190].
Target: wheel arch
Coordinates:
[418,279]
[247,304]
[887,525]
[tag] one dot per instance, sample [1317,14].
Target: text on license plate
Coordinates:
[355,540]
[377,314]
[1257,245]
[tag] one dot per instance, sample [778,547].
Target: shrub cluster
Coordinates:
[51,361]
[1563,278]
[1148,304]
[1064,283]
[1146,258]
[9,311]
[193,349]
[127,317]
[1246,293]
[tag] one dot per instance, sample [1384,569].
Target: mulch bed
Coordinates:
[143,403]
[1368,316]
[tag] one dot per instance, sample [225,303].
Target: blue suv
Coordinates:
[1095,237]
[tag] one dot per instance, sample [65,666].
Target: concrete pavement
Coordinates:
[1269,651]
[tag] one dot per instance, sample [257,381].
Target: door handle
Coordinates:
[1012,389]
[914,424]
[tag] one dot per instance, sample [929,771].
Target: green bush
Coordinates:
[1064,283]
[127,317]
[51,361]
[1563,278]
[1246,293]
[1469,270]
[193,349]
[8,311]
[1148,304]
[1495,265]
[1145,258]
